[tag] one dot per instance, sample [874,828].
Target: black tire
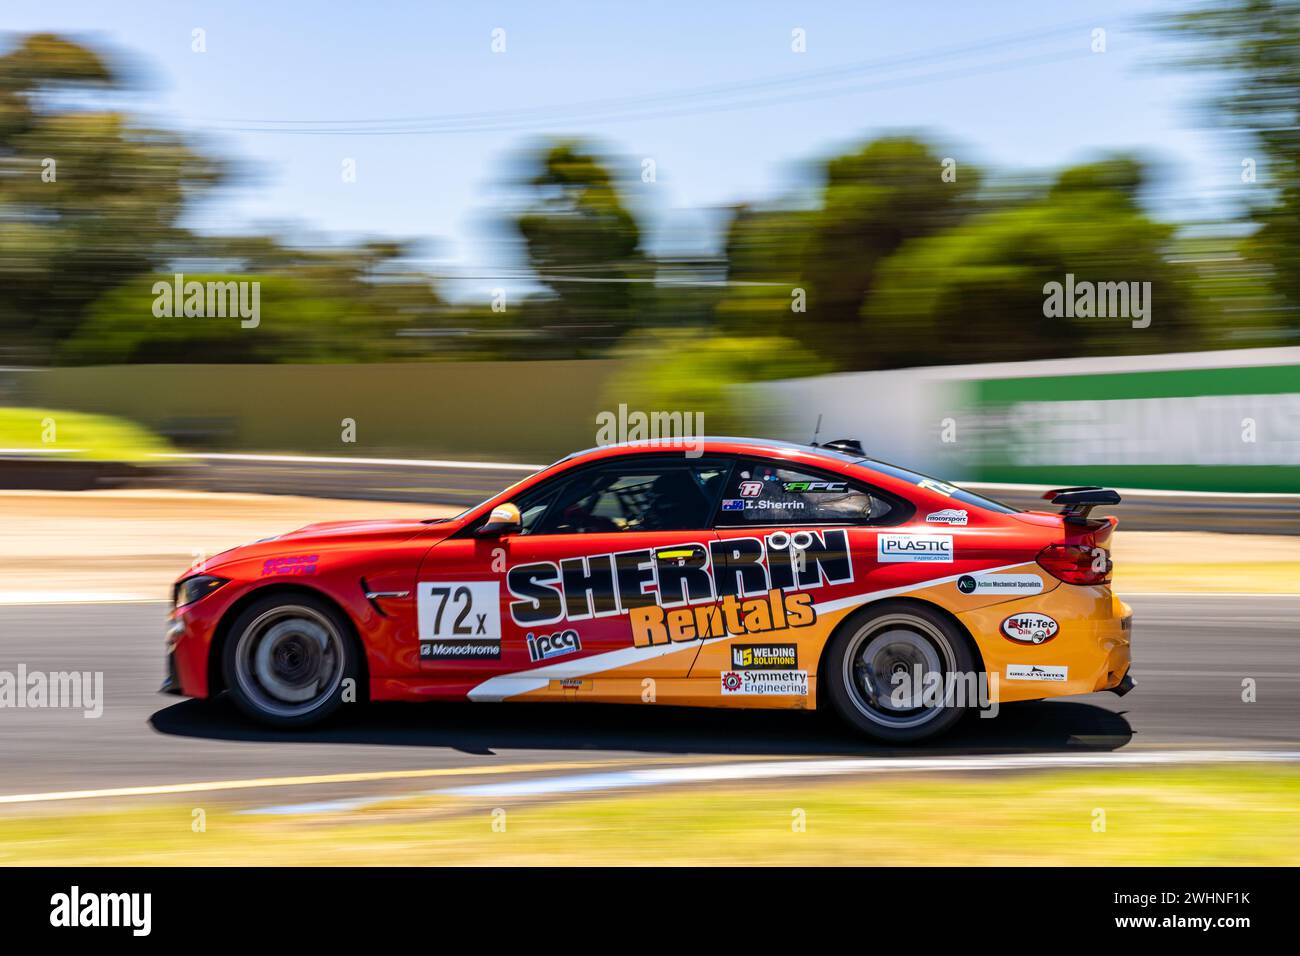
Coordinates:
[288,659]
[904,635]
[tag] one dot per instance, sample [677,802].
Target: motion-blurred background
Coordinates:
[470,233]
[266,264]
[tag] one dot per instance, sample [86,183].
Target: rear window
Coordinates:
[942,487]
[763,492]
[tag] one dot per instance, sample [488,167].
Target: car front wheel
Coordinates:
[288,660]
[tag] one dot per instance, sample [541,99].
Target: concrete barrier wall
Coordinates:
[1219,421]
[514,411]
[1211,421]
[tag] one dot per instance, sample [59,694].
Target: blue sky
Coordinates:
[294,61]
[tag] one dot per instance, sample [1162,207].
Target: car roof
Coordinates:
[712,444]
[890,478]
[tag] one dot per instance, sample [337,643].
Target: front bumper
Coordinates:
[172,679]
[185,661]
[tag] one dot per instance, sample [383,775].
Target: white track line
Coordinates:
[258,783]
[769,770]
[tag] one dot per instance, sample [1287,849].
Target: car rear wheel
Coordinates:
[891,671]
[288,660]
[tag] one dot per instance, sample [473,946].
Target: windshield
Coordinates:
[490,497]
[942,487]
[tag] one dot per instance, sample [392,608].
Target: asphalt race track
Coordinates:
[1191,653]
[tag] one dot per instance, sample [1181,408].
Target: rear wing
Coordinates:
[1077,503]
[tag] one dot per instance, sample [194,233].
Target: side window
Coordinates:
[672,495]
[531,510]
[762,492]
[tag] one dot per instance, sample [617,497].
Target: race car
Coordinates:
[726,572]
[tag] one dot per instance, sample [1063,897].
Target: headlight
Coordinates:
[191,589]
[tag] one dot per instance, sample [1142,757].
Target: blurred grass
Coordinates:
[77,435]
[1239,815]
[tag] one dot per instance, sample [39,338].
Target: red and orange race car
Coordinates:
[730,573]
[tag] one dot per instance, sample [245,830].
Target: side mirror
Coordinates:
[504,519]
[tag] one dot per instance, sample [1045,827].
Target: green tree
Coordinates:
[690,371]
[765,262]
[87,197]
[1252,48]
[333,305]
[889,192]
[584,243]
[976,293]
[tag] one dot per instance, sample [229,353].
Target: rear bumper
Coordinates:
[1090,652]
[1115,675]
[1126,684]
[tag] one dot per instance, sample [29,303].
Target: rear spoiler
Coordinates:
[1077,502]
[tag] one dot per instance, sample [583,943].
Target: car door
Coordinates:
[793,541]
[610,569]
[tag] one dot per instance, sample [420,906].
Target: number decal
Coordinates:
[462,593]
[459,620]
[441,595]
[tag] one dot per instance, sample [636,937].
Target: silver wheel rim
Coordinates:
[882,647]
[289,661]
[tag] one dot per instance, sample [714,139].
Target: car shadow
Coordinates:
[1032,727]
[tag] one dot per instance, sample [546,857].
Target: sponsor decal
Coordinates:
[1000,584]
[767,504]
[690,591]
[775,611]
[764,657]
[543,647]
[1030,628]
[751,489]
[947,516]
[459,620]
[814,487]
[941,487]
[461,650]
[763,683]
[914,547]
[733,504]
[296,565]
[1037,672]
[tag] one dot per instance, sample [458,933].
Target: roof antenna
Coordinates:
[816,431]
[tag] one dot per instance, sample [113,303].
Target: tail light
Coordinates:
[1076,563]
